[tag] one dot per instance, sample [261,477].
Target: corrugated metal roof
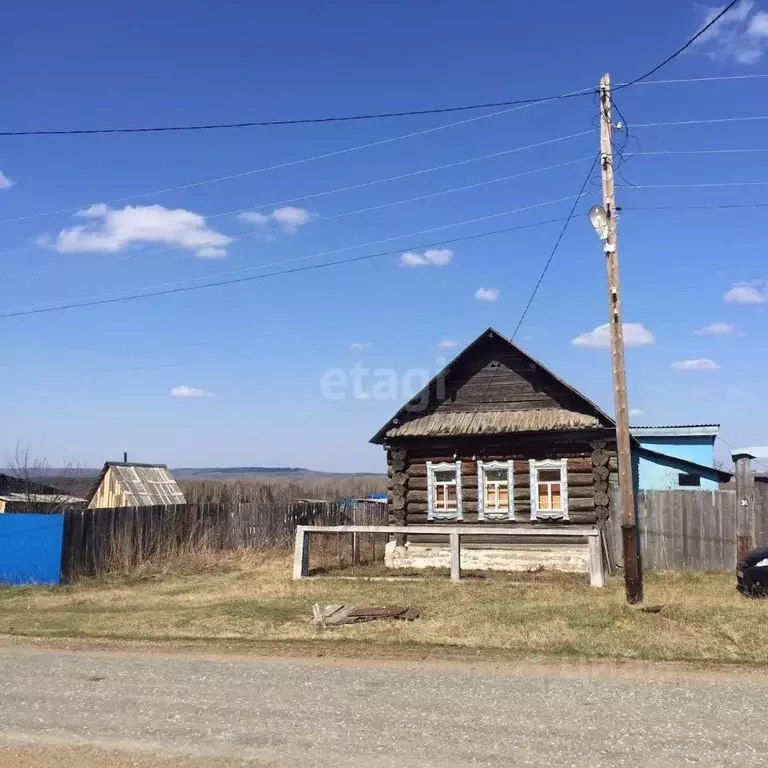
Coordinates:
[146,485]
[677,430]
[493,422]
[42,498]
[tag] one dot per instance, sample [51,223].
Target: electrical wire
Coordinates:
[740,150]
[287,164]
[704,121]
[706,185]
[343,214]
[348,248]
[372,116]
[293,270]
[734,448]
[304,120]
[710,207]
[559,240]
[301,198]
[683,47]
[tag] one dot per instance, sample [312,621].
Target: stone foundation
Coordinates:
[572,558]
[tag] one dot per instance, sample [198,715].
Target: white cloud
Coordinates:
[637,412]
[288,219]
[360,345]
[254,217]
[110,230]
[487,294]
[211,253]
[434,257]
[747,293]
[448,344]
[183,391]
[716,329]
[635,335]
[741,35]
[5,182]
[697,364]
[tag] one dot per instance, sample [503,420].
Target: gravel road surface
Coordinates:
[200,712]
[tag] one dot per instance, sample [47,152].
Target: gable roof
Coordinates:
[13,484]
[490,420]
[142,484]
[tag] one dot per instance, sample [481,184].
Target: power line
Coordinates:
[734,448]
[682,48]
[709,207]
[313,195]
[704,121]
[303,120]
[705,185]
[711,79]
[555,247]
[187,288]
[348,248]
[740,150]
[343,214]
[372,116]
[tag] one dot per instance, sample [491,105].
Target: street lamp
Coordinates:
[599,219]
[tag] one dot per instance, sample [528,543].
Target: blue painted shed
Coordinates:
[677,457]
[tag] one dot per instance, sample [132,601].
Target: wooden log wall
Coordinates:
[591,467]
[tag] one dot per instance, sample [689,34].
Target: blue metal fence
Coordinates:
[30,548]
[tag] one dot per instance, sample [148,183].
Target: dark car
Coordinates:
[752,574]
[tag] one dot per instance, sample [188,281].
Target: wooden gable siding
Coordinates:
[499,379]
[589,472]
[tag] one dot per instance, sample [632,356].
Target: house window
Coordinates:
[688,481]
[444,491]
[495,486]
[549,490]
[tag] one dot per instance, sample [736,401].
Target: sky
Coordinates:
[301,369]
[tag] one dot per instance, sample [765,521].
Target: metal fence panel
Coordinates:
[30,548]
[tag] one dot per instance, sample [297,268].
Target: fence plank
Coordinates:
[99,540]
[688,530]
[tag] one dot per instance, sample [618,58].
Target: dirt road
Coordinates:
[60,708]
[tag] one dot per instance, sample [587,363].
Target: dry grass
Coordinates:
[92,757]
[249,596]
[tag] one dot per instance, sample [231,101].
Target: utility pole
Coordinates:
[633,575]
[745,499]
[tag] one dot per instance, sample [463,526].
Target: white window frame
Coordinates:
[549,514]
[495,514]
[440,514]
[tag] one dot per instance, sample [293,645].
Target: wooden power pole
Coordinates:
[633,576]
[745,499]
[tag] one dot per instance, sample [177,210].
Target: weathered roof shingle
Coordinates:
[493,422]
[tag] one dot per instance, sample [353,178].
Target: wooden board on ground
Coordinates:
[338,615]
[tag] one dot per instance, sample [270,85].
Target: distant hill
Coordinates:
[241,471]
[290,472]
[212,472]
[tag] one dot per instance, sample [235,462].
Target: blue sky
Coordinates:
[248,362]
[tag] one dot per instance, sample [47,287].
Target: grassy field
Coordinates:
[250,598]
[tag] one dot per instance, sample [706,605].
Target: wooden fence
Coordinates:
[688,530]
[97,541]
[274,524]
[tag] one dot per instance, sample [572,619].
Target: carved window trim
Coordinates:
[549,514]
[493,514]
[440,514]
